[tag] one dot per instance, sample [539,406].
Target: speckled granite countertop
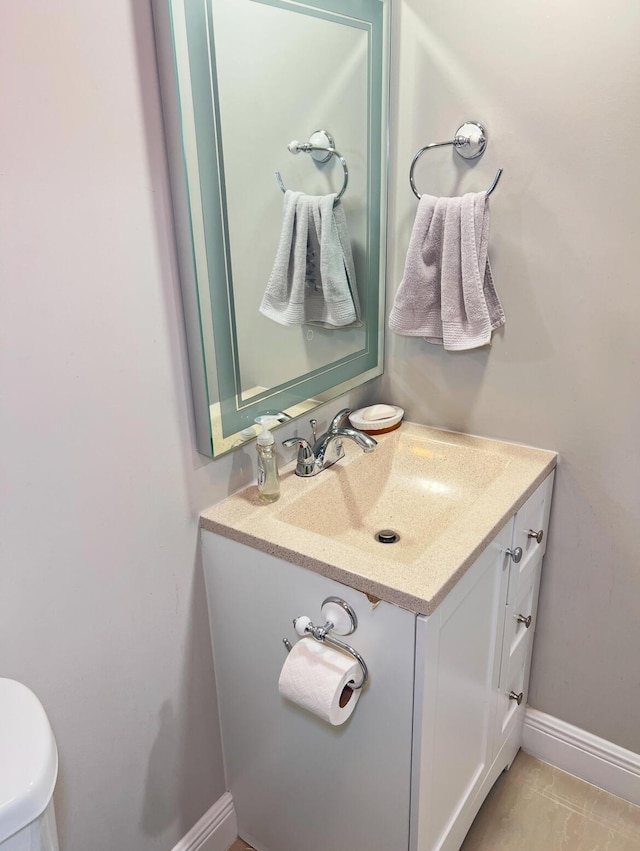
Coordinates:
[447,494]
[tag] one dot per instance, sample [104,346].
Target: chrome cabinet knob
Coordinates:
[539,535]
[516,697]
[525,620]
[516,554]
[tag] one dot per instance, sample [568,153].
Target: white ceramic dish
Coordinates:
[376,426]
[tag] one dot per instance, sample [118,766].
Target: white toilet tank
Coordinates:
[28,771]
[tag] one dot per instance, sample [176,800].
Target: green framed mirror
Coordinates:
[241,80]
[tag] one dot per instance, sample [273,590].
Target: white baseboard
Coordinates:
[217,830]
[599,762]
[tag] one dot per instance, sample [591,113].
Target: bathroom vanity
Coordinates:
[446,619]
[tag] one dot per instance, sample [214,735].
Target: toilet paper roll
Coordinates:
[316,677]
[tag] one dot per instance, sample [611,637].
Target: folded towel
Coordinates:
[313,279]
[447,293]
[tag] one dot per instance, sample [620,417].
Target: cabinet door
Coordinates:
[457,661]
[297,782]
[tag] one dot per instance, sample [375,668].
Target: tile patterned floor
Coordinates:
[534,807]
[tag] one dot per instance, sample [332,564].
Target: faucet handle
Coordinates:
[302,443]
[340,419]
[306,460]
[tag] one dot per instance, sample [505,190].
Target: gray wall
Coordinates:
[102,605]
[102,609]
[558,87]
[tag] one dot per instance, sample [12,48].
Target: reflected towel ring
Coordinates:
[321,147]
[469,142]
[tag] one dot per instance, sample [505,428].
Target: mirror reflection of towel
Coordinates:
[447,293]
[313,281]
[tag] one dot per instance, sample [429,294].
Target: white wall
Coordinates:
[102,605]
[558,87]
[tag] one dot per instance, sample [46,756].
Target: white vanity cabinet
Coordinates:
[296,781]
[434,727]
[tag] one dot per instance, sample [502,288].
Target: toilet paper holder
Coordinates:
[340,618]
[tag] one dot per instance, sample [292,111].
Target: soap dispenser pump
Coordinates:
[268,476]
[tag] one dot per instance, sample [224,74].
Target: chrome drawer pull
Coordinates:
[516,697]
[525,620]
[537,535]
[516,554]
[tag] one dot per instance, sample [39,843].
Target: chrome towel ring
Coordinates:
[321,146]
[469,142]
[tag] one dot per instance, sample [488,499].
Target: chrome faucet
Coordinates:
[328,448]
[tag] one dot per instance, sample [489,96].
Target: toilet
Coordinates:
[28,771]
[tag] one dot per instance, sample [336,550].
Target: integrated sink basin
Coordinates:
[411,485]
[445,494]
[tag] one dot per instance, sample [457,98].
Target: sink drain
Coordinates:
[387,536]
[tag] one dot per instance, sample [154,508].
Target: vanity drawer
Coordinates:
[531,520]
[518,636]
[510,712]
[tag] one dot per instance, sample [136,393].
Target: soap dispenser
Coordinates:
[268,476]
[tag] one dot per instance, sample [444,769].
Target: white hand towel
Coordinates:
[333,301]
[313,278]
[283,300]
[447,293]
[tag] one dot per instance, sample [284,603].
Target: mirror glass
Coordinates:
[283,294]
